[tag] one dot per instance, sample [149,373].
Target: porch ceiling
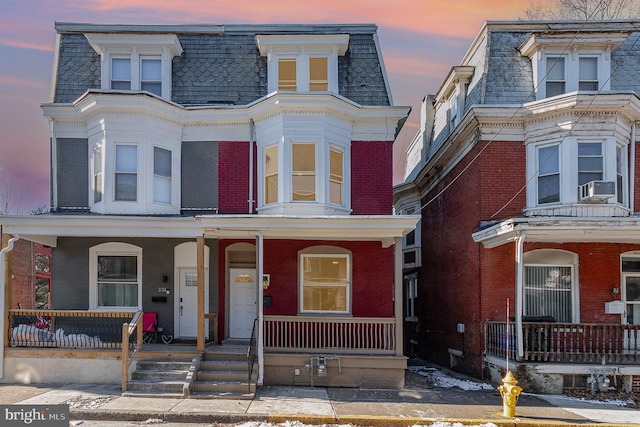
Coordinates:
[561,230]
[383,228]
[47,228]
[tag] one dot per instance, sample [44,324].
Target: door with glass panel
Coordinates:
[631,298]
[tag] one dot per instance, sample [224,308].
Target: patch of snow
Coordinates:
[440,379]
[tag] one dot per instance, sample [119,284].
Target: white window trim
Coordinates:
[568,156]
[339,253]
[571,70]
[135,46]
[322,175]
[112,249]
[558,258]
[302,47]
[410,281]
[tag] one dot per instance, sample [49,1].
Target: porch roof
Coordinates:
[561,230]
[47,228]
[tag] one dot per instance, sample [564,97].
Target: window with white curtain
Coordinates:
[126,174]
[548,292]
[161,175]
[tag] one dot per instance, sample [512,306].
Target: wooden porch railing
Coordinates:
[131,344]
[333,334]
[567,342]
[66,328]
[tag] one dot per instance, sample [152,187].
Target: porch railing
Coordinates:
[131,344]
[337,335]
[567,342]
[66,328]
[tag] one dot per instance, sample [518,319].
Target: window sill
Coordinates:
[579,210]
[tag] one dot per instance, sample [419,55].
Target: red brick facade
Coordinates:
[29,262]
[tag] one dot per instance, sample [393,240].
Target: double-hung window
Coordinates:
[151,75]
[161,175]
[121,73]
[303,170]
[548,292]
[336,175]
[590,162]
[287,74]
[588,73]
[621,166]
[318,74]
[325,283]
[271,175]
[548,161]
[115,271]
[126,173]
[556,80]
[98,174]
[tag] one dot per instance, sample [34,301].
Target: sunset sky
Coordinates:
[420,39]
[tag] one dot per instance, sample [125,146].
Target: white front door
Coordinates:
[188,303]
[631,298]
[243,307]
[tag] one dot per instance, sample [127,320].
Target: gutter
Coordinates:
[3,286]
[519,294]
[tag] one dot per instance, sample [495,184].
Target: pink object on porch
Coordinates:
[150,327]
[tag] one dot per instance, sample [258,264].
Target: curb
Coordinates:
[355,420]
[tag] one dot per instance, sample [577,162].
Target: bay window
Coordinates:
[590,162]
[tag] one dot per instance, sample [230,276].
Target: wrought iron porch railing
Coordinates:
[67,328]
[567,342]
[335,334]
[252,352]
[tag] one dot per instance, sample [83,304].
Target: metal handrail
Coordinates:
[252,353]
[130,349]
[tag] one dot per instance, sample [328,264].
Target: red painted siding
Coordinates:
[233,164]
[371,178]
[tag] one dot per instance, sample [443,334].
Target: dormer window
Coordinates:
[136,61]
[452,95]
[565,63]
[303,63]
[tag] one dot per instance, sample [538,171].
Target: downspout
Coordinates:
[632,169]
[3,286]
[519,294]
[259,261]
[251,134]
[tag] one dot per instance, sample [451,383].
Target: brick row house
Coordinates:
[235,180]
[524,172]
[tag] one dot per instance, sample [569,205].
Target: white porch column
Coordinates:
[200,273]
[5,285]
[519,295]
[260,343]
[397,296]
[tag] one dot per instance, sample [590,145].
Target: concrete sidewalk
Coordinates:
[417,404]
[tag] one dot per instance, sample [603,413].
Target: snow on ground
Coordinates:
[440,379]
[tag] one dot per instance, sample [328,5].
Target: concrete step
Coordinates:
[205,375]
[221,395]
[224,387]
[163,365]
[157,375]
[224,365]
[155,387]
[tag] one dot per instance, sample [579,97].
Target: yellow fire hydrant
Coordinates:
[509,392]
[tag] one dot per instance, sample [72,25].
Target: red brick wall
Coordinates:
[23,270]
[450,290]
[371,178]
[372,276]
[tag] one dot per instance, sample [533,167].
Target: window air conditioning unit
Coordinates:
[598,191]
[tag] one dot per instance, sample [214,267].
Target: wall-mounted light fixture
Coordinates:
[615,291]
